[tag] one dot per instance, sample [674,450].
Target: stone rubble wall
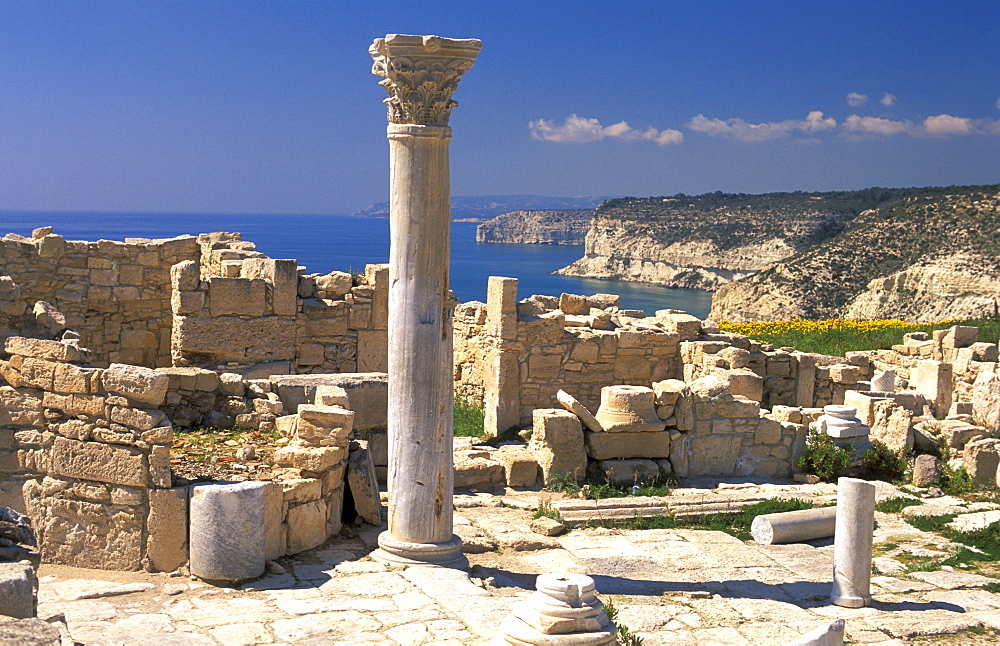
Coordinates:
[115,294]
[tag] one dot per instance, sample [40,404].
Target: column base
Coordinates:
[401,554]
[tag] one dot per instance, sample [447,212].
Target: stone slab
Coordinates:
[606,446]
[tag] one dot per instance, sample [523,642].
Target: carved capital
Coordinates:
[420,73]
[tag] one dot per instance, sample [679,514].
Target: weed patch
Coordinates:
[822,457]
[895,505]
[468,419]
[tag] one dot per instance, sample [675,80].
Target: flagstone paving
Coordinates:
[671,586]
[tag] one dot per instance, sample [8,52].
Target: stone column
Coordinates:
[420,73]
[852,543]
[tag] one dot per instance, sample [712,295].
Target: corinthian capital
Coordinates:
[420,73]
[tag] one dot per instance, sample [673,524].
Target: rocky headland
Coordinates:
[480,208]
[566,226]
[706,241]
[923,258]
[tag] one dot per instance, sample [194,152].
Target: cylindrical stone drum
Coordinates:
[227,531]
[852,548]
[794,526]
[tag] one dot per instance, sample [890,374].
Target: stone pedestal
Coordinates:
[420,73]
[841,422]
[852,547]
[227,531]
[563,610]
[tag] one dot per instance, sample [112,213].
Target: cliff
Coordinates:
[537,227]
[480,208]
[925,258]
[706,241]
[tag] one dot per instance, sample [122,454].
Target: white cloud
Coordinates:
[582,129]
[860,126]
[854,99]
[944,125]
[888,99]
[998,104]
[751,132]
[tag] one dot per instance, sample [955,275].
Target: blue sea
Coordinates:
[325,243]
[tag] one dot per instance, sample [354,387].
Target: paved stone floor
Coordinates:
[671,587]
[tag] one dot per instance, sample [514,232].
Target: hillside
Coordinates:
[537,227]
[480,208]
[706,241]
[924,258]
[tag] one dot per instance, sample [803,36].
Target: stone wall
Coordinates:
[114,294]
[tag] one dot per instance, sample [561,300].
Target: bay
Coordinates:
[325,243]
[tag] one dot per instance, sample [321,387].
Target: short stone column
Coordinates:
[852,544]
[564,609]
[227,531]
[420,73]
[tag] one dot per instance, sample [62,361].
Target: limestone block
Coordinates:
[335,284]
[184,276]
[227,531]
[363,484]
[574,304]
[48,318]
[300,490]
[284,287]
[309,458]
[891,425]
[501,307]
[864,402]
[668,391]
[230,338]
[236,296]
[934,380]
[519,465]
[547,526]
[926,470]
[100,462]
[231,384]
[768,431]
[477,472]
[606,446]
[166,545]
[143,420]
[960,336]
[378,277]
[87,405]
[986,400]
[683,324]
[981,459]
[187,302]
[17,591]
[630,472]
[557,443]
[574,406]
[307,524]
[87,534]
[324,425]
[274,538]
[985,352]
[713,454]
[373,351]
[51,246]
[332,396]
[310,354]
[46,349]
[37,373]
[159,466]
[68,378]
[841,374]
[746,383]
[143,386]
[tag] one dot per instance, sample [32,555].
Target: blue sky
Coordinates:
[271,107]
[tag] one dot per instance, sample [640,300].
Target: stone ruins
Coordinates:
[109,347]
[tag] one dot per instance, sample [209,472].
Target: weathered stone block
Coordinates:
[100,462]
[668,391]
[230,338]
[324,425]
[373,350]
[768,431]
[363,484]
[166,545]
[606,446]
[477,473]
[274,537]
[67,378]
[981,459]
[185,303]
[236,296]
[184,276]
[17,590]
[309,458]
[501,306]
[557,443]
[306,526]
[934,380]
[628,473]
[519,465]
[143,386]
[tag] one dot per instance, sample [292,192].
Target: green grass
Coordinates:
[594,490]
[733,523]
[469,419]
[839,337]
[895,505]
